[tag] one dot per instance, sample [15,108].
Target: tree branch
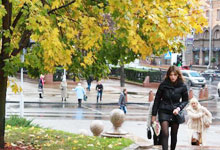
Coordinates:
[44,2]
[18,16]
[53,10]
[60,28]
[25,38]
[67,18]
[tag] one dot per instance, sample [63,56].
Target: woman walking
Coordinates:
[198,123]
[63,87]
[168,104]
[41,86]
[80,93]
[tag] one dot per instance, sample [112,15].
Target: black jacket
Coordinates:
[167,92]
[99,87]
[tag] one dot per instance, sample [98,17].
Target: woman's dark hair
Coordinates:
[175,70]
[124,90]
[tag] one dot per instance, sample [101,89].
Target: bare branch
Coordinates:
[53,10]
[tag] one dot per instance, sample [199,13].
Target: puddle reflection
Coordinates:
[79,114]
[93,111]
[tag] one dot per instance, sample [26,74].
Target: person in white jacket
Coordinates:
[199,120]
[80,93]
[63,88]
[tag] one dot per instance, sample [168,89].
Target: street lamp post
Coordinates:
[64,74]
[22,86]
[210,33]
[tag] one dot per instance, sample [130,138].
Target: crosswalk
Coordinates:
[71,111]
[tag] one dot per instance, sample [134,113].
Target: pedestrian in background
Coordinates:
[89,82]
[190,66]
[198,123]
[218,66]
[41,86]
[154,125]
[99,88]
[63,87]
[123,100]
[167,105]
[80,93]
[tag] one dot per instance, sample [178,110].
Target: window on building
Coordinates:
[206,58]
[206,34]
[218,14]
[196,58]
[217,34]
[196,36]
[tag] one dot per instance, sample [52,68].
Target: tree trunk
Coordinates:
[122,76]
[6,23]
[3,90]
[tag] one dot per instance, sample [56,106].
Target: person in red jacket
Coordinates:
[41,86]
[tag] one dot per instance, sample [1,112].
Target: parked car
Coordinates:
[193,78]
[184,68]
[211,73]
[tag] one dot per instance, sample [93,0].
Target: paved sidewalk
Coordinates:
[52,92]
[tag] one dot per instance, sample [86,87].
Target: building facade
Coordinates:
[197,53]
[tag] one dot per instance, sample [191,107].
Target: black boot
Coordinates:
[79,103]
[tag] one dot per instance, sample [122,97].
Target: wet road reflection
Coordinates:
[67,110]
[95,111]
[79,114]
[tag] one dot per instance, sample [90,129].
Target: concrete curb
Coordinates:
[132,147]
[139,143]
[210,98]
[146,103]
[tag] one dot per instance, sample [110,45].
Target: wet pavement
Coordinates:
[71,118]
[67,116]
[52,93]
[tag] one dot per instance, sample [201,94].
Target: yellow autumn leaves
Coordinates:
[145,26]
[16,88]
[40,138]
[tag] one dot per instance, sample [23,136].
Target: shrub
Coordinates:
[15,120]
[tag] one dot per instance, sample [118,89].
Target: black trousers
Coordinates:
[79,102]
